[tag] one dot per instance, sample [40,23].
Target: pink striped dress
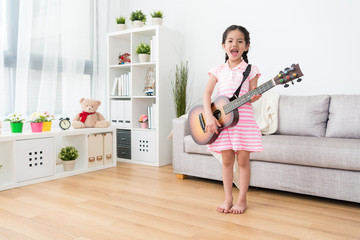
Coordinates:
[246,134]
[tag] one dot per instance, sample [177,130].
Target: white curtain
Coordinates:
[60,56]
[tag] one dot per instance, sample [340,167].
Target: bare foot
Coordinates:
[225,207]
[239,207]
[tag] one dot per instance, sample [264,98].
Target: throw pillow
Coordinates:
[303,115]
[344,116]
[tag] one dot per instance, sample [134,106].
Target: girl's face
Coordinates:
[235,45]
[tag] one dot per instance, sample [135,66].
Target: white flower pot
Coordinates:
[143,58]
[157,21]
[69,165]
[121,27]
[137,24]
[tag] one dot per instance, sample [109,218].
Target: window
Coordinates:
[46,51]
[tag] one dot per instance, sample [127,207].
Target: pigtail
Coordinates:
[226,57]
[244,56]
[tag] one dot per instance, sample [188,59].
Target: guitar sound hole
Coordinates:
[217,114]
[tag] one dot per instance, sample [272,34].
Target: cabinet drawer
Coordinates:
[124,152]
[123,137]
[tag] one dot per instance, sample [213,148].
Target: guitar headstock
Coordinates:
[289,74]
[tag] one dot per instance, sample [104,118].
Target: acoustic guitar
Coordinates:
[226,111]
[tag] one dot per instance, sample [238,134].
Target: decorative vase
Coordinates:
[138,23]
[69,165]
[143,58]
[157,21]
[46,127]
[144,125]
[36,127]
[121,26]
[16,127]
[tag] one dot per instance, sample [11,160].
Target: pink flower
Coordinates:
[143,118]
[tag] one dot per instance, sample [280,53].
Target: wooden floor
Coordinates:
[140,202]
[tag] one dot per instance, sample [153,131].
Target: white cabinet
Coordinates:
[29,158]
[127,99]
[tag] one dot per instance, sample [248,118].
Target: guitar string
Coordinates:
[246,97]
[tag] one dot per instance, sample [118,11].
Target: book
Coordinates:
[114,87]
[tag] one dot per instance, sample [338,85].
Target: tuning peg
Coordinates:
[299,80]
[286,85]
[292,82]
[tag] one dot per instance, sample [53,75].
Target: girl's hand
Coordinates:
[255,97]
[212,124]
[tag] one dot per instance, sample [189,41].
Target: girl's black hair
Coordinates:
[246,35]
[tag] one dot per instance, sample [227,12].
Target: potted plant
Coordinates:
[179,87]
[47,123]
[143,120]
[143,51]
[36,122]
[157,17]
[16,122]
[68,155]
[138,18]
[121,23]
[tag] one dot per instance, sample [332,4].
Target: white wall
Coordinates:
[322,36]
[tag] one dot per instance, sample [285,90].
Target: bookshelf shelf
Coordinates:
[129,101]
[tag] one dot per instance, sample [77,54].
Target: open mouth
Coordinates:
[234,52]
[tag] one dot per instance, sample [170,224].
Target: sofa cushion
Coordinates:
[191,147]
[336,153]
[344,116]
[303,115]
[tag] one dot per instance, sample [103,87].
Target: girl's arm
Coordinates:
[212,123]
[253,85]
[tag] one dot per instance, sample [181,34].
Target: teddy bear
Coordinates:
[89,118]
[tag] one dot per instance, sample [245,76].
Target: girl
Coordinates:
[245,137]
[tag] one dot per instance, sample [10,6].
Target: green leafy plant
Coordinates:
[68,153]
[120,20]
[179,88]
[143,48]
[157,14]
[138,15]
[15,118]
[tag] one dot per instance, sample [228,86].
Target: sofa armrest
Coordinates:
[180,130]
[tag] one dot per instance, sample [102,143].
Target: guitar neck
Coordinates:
[247,97]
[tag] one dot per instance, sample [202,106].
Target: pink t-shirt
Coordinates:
[246,134]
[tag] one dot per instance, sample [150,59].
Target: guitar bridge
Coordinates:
[202,122]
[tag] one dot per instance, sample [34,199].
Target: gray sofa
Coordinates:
[315,151]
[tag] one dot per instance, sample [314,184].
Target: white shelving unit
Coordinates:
[29,158]
[148,146]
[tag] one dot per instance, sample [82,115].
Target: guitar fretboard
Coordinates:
[247,97]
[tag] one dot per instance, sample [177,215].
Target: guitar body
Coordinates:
[197,120]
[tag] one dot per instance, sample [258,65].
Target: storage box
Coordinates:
[108,148]
[143,145]
[95,150]
[34,158]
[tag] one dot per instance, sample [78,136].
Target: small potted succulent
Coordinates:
[157,17]
[138,18]
[143,120]
[143,51]
[121,23]
[16,122]
[68,155]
